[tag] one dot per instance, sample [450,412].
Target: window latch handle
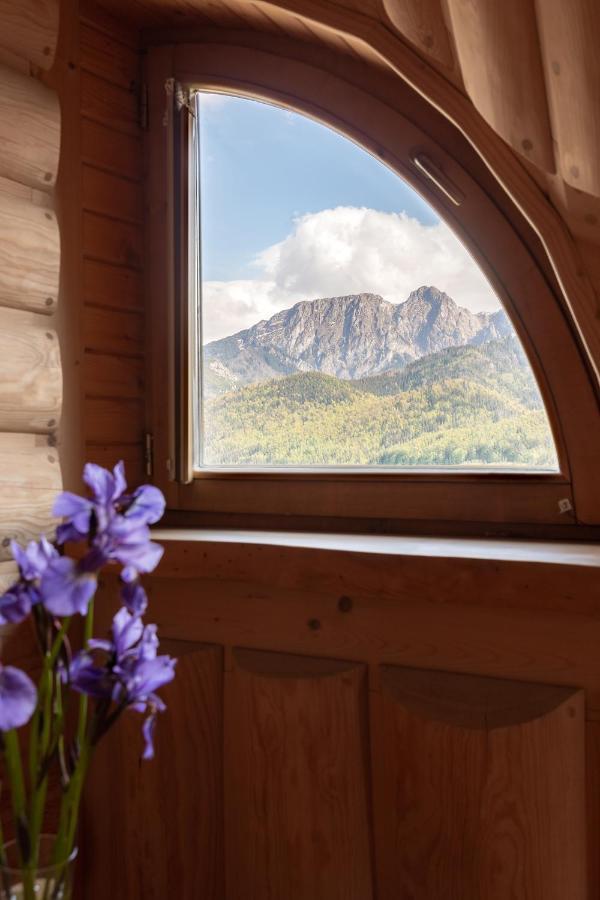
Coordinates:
[425,165]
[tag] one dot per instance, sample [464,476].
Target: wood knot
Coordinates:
[345,604]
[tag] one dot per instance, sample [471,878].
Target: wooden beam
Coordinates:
[30,373]
[29,130]
[30,479]
[29,255]
[29,31]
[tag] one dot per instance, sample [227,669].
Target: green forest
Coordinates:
[464,406]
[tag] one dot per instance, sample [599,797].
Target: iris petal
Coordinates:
[18,698]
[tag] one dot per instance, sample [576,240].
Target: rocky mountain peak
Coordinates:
[352,336]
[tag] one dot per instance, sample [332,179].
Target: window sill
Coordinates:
[407,572]
[490,549]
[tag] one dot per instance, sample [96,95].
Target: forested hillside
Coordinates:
[464,405]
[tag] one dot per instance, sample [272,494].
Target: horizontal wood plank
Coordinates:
[109,104]
[30,30]
[9,573]
[114,421]
[112,332]
[29,130]
[109,375]
[112,150]
[113,287]
[109,240]
[30,373]
[30,479]
[103,55]
[115,26]
[29,255]
[108,194]
[108,455]
[518,620]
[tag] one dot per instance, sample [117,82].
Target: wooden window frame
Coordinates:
[486,501]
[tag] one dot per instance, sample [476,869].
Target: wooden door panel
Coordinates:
[154,829]
[478,788]
[296,779]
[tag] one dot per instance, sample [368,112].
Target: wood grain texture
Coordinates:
[296,807]
[422,23]
[29,30]
[466,812]
[29,130]
[110,195]
[505,35]
[31,375]
[104,55]
[113,287]
[29,255]
[109,104]
[159,834]
[592,769]
[30,479]
[106,375]
[569,36]
[111,150]
[108,240]
[108,455]
[112,331]
[522,621]
[113,420]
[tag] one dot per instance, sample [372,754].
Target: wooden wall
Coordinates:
[112,210]
[30,257]
[351,726]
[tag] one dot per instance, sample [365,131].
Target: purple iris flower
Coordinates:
[16,603]
[115,523]
[33,560]
[147,505]
[134,597]
[126,632]
[18,698]
[66,588]
[132,674]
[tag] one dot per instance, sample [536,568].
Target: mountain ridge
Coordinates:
[351,336]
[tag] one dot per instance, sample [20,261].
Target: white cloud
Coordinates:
[348,251]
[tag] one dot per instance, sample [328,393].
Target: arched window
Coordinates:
[354,330]
[344,324]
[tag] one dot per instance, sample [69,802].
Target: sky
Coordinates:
[291,210]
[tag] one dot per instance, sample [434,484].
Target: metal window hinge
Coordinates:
[149,454]
[143,106]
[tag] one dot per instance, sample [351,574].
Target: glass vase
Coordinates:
[47,880]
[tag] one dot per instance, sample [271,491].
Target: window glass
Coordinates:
[343,323]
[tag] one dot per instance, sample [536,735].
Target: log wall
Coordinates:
[30,261]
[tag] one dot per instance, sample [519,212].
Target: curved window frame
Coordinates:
[407,499]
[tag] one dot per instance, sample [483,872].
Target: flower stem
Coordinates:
[69,809]
[40,742]
[14,770]
[88,629]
